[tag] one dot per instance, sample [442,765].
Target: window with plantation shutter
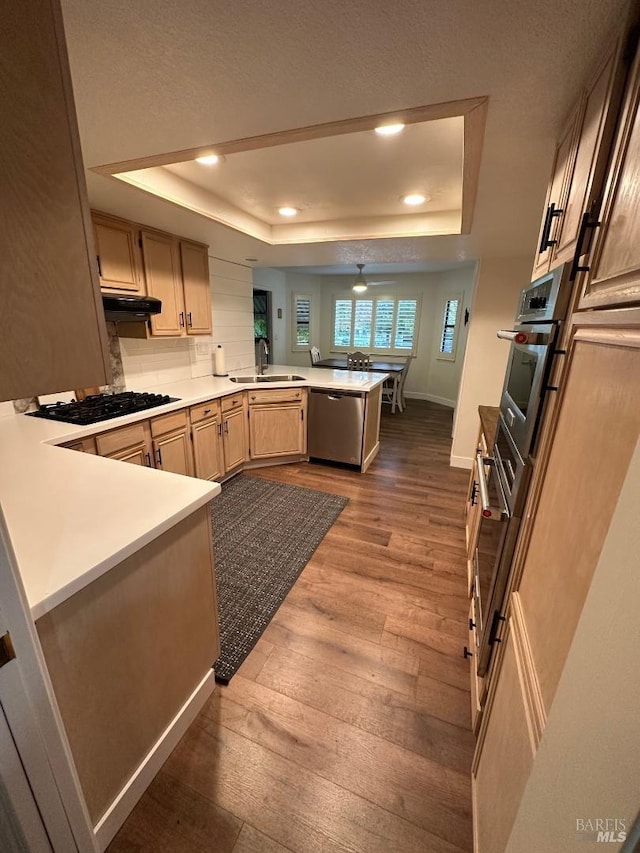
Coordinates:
[449,334]
[384,325]
[301,316]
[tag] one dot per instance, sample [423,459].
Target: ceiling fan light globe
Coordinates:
[360,287]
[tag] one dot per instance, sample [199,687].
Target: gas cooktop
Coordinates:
[101,407]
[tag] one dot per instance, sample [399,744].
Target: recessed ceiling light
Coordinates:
[414,199]
[389,129]
[287,211]
[208,159]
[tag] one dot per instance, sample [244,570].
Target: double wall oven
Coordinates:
[503,477]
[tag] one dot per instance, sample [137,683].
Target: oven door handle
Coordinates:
[486,510]
[520,337]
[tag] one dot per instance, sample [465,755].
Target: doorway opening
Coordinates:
[262,321]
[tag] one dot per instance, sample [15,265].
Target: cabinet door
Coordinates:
[173,453]
[119,262]
[275,431]
[207,449]
[614,275]
[164,281]
[234,438]
[504,758]
[197,296]
[561,176]
[596,433]
[602,100]
[134,455]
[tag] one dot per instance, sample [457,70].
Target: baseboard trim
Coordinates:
[431,398]
[461,462]
[121,807]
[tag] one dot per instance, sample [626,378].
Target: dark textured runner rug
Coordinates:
[264,534]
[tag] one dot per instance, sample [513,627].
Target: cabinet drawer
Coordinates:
[169,423]
[232,401]
[119,439]
[204,410]
[83,445]
[276,395]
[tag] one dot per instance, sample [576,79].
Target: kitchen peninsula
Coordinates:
[117,568]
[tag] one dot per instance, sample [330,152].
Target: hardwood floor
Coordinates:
[348,726]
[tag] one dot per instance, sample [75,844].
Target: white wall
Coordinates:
[275,281]
[588,763]
[428,378]
[498,285]
[159,361]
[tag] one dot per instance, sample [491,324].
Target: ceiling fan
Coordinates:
[360,285]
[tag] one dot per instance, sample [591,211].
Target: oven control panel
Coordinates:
[547,298]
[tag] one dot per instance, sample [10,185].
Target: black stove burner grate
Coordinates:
[101,407]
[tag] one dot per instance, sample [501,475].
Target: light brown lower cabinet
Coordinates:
[83,445]
[127,444]
[504,755]
[206,433]
[277,425]
[234,438]
[172,443]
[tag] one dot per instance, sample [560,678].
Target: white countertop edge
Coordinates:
[50,602]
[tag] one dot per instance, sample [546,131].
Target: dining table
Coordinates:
[393,368]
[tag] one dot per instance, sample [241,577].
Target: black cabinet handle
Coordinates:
[189,319]
[474,493]
[148,457]
[220,429]
[159,457]
[206,411]
[495,624]
[472,624]
[99,266]
[182,319]
[545,242]
[585,224]
[466,653]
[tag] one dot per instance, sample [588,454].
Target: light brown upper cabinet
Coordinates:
[613,274]
[118,254]
[582,155]
[51,298]
[177,273]
[195,279]
[161,255]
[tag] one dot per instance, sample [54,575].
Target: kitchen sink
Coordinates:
[267,377]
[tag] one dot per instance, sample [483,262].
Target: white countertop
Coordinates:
[73,516]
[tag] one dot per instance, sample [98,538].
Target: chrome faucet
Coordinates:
[263,352]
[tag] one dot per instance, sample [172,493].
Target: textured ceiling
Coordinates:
[156,76]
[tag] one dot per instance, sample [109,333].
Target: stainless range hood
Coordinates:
[128,309]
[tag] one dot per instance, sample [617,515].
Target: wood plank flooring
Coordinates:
[348,726]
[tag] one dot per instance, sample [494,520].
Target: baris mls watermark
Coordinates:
[601,830]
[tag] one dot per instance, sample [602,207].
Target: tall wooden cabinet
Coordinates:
[580,163]
[586,446]
[614,274]
[51,300]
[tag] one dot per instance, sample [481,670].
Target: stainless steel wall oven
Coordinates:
[534,342]
[503,477]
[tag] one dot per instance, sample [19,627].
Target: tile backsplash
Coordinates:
[154,361]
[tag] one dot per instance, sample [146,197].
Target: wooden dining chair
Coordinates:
[314,353]
[393,389]
[358,360]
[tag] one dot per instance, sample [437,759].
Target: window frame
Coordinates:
[377,297]
[449,356]
[295,297]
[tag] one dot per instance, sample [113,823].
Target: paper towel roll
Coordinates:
[221,364]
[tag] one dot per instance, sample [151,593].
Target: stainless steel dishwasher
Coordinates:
[336,422]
